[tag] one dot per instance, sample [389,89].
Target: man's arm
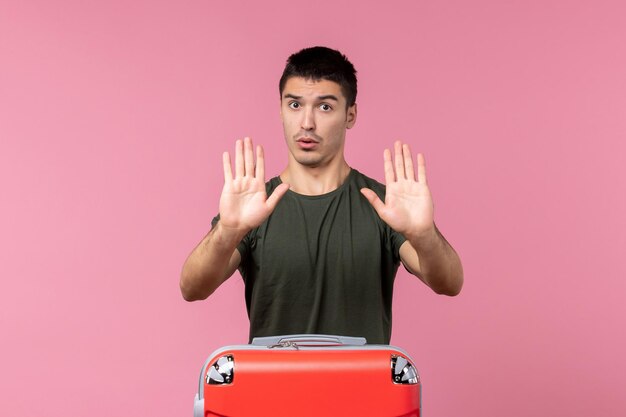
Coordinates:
[212,262]
[437,265]
[408,209]
[244,205]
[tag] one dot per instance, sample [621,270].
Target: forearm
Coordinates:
[439,265]
[207,267]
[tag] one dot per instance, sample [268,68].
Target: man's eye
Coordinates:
[325,107]
[294,105]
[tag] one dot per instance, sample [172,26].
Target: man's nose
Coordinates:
[308,119]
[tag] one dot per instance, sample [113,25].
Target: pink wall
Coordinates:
[113,117]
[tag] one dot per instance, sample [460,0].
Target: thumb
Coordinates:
[374,200]
[276,195]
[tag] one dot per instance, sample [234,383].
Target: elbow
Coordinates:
[452,288]
[450,292]
[188,295]
[456,283]
[189,292]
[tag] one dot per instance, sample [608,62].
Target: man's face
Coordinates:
[315,120]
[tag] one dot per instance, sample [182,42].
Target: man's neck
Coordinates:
[315,180]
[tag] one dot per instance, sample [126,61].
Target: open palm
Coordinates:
[408,206]
[244,204]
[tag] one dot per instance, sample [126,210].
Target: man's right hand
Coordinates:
[244,204]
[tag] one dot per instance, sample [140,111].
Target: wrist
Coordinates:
[422,238]
[228,235]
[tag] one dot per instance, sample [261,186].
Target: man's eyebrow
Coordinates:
[324,97]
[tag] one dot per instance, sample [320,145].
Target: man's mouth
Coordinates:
[306,142]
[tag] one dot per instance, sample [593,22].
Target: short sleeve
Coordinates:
[393,239]
[397,239]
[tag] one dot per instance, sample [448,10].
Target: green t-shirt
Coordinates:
[322,264]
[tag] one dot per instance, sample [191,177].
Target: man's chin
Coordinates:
[310,164]
[309,161]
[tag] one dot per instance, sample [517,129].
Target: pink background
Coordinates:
[113,117]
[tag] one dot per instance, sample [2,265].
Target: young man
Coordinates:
[319,246]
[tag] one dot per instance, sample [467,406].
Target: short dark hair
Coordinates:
[322,63]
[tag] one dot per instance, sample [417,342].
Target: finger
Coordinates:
[276,195]
[260,163]
[408,162]
[421,168]
[248,157]
[228,172]
[374,200]
[399,160]
[239,167]
[389,174]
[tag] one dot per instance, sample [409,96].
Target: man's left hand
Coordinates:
[408,207]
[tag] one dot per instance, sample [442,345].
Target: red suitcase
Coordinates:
[308,375]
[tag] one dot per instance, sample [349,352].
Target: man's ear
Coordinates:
[351,116]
